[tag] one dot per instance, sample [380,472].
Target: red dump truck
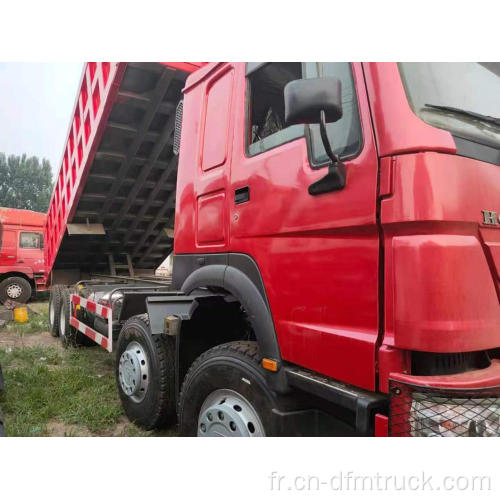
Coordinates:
[22,266]
[336,245]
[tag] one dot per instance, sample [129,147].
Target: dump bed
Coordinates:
[115,191]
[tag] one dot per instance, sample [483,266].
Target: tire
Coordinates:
[15,288]
[55,309]
[225,394]
[2,430]
[148,398]
[70,336]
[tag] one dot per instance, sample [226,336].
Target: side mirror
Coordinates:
[305,100]
[318,100]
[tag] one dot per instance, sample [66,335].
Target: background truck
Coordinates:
[22,266]
[336,245]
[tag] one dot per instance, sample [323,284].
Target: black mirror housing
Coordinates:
[306,98]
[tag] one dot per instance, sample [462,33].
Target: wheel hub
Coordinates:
[226,413]
[133,372]
[14,291]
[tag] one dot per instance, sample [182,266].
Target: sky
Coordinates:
[36,103]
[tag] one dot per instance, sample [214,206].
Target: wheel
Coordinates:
[70,336]
[145,374]
[55,309]
[2,430]
[15,288]
[225,394]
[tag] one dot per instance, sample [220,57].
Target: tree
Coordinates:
[25,182]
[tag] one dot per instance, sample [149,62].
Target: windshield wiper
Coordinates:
[464,112]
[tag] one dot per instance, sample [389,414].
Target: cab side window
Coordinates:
[266,106]
[345,134]
[30,240]
[266,110]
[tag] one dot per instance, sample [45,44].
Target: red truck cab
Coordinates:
[22,264]
[397,272]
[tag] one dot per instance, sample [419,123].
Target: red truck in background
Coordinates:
[22,265]
[336,245]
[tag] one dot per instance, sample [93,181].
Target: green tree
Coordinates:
[25,182]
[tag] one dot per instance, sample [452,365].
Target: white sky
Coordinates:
[36,102]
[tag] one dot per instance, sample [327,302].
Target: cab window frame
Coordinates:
[306,129]
[40,240]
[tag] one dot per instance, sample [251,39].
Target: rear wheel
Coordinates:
[225,394]
[15,288]
[55,309]
[145,374]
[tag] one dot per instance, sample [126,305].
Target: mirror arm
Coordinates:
[326,141]
[335,179]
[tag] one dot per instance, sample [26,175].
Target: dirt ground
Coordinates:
[14,339]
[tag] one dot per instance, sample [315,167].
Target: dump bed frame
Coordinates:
[113,202]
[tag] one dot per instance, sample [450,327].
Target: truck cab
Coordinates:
[22,264]
[396,271]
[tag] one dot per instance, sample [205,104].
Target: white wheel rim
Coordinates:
[133,372]
[226,413]
[14,291]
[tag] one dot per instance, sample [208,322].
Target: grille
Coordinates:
[178,127]
[421,411]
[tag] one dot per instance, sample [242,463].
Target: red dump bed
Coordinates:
[118,168]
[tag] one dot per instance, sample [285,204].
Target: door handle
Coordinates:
[241,195]
[20,261]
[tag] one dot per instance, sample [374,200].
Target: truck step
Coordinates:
[362,402]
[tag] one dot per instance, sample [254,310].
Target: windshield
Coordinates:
[469,87]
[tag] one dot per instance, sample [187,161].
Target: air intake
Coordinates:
[178,127]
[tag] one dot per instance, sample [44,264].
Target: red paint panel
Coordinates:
[491,238]
[210,218]
[216,132]
[487,377]
[441,288]
[444,296]
[398,129]
[381,425]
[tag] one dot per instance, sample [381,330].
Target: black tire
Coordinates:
[55,309]
[18,285]
[70,336]
[157,408]
[234,366]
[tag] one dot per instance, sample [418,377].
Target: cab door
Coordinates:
[30,252]
[318,255]
[8,248]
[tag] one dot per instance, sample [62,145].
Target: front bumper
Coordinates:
[462,405]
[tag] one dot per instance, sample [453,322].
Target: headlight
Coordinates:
[437,416]
[429,412]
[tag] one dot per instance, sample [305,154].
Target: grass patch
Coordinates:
[53,391]
[74,389]
[43,384]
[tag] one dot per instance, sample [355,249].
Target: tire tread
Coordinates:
[164,411]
